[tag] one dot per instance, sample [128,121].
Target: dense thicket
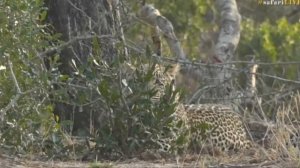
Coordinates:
[70,58]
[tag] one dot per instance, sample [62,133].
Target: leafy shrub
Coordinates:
[135,123]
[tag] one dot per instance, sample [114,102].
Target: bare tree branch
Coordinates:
[70,42]
[14,77]
[251,90]
[116,5]
[229,35]
[14,100]
[151,15]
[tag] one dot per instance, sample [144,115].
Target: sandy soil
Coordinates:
[15,162]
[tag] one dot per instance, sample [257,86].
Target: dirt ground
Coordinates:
[211,162]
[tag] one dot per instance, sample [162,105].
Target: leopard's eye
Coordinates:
[159,82]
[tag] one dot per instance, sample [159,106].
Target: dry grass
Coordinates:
[274,148]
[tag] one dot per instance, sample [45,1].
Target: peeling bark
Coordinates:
[226,45]
[229,35]
[152,16]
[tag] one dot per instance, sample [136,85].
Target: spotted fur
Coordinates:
[212,125]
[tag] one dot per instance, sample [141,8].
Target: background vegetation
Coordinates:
[29,89]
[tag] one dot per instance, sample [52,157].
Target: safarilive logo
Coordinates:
[278,2]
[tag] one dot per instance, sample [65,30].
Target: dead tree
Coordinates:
[223,52]
[161,24]
[229,36]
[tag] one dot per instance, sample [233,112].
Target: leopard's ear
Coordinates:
[173,70]
[176,68]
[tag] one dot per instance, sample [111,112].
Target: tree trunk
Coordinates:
[80,23]
[229,36]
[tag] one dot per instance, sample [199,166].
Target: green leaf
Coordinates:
[63,78]
[104,89]
[43,15]
[148,51]
[150,73]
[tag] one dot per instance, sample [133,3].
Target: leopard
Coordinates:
[217,125]
[214,126]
